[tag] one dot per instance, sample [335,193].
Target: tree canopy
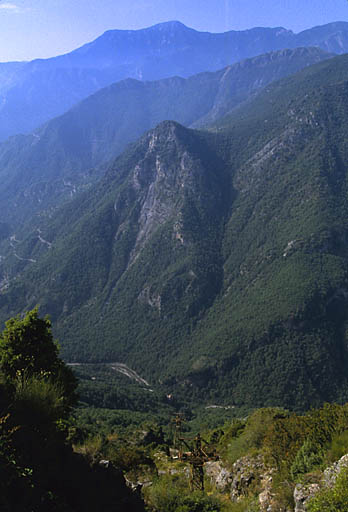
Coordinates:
[28,350]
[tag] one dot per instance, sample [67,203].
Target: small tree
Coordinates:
[309,456]
[27,350]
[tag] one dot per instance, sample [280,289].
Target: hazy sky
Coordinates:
[43,28]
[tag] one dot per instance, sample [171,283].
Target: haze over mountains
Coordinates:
[34,92]
[41,170]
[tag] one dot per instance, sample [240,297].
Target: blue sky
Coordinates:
[43,28]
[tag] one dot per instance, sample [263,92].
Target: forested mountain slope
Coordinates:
[41,170]
[33,92]
[214,261]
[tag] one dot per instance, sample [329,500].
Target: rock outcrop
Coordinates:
[248,475]
[219,475]
[304,492]
[246,471]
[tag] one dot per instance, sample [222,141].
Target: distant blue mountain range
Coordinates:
[33,92]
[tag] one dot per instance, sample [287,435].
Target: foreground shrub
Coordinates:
[171,493]
[338,447]
[307,458]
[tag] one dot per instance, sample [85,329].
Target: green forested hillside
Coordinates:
[213,261]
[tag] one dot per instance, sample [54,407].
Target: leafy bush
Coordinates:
[307,458]
[45,398]
[338,447]
[27,350]
[199,502]
[91,448]
[252,437]
[286,436]
[171,493]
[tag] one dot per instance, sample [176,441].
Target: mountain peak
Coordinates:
[170,25]
[165,26]
[168,125]
[167,131]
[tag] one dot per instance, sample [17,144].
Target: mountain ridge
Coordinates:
[31,93]
[56,161]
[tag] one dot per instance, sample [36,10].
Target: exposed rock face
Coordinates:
[331,473]
[302,494]
[266,497]
[245,471]
[218,474]
[159,176]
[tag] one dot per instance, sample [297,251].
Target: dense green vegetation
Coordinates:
[59,458]
[214,262]
[294,449]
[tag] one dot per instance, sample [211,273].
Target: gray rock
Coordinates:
[302,494]
[105,463]
[245,470]
[331,473]
[220,476]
